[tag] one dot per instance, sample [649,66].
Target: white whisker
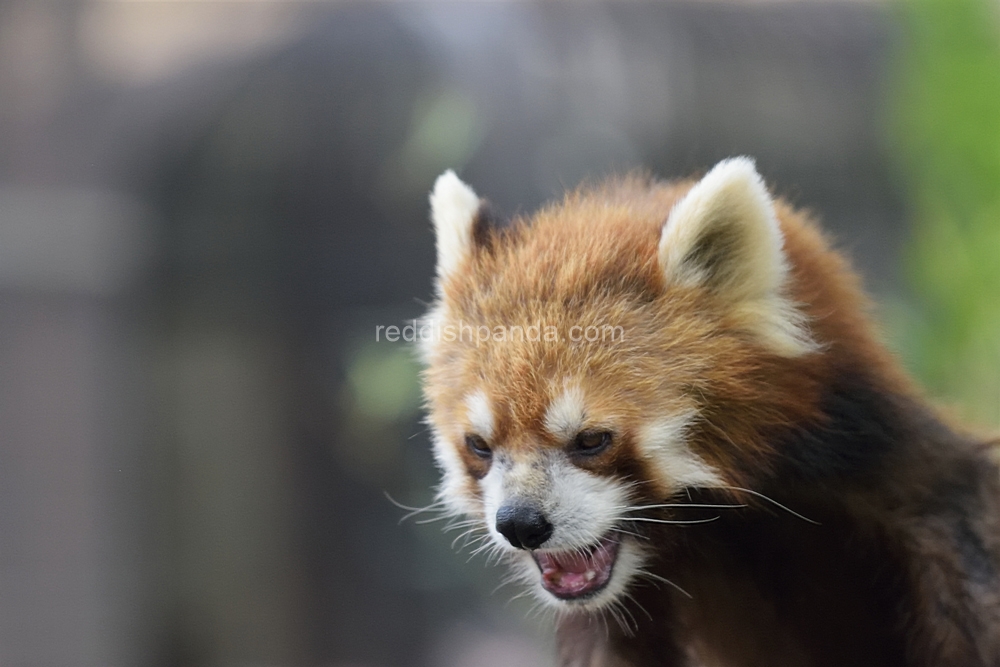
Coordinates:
[631,597]
[516,597]
[656,577]
[633,626]
[628,532]
[674,521]
[422,522]
[616,610]
[436,506]
[773,502]
[636,508]
[467,535]
[460,524]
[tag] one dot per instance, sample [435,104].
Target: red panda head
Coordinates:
[597,359]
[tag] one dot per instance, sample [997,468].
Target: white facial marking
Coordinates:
[493,497]
[581,506]
[453,475]
[479,414]
[453,209]
[663,443]
[565,416]
[429,324]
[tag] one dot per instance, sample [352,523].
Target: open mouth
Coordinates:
[571,575]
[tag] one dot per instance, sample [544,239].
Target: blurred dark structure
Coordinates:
[206,208]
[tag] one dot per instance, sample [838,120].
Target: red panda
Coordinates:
[700,454]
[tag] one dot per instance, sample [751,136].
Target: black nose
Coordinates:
[524,526]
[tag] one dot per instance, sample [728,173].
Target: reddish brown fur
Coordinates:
[592,259]
[903,568]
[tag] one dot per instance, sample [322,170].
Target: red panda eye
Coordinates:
[592,442]
[478,446]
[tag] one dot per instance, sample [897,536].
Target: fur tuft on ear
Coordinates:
[724,236]
[454,206]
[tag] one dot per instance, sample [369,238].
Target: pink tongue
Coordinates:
[573,574]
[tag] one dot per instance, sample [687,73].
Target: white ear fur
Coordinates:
[453,212]
[724,235]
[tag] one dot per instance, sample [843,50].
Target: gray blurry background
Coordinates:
[206,208]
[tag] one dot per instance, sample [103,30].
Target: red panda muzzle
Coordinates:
[572,574]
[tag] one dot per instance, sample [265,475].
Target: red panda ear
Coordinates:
[724,236]
[454,212]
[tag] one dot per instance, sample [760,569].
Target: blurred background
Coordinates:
[207,207]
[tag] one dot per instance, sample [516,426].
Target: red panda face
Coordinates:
[582,366]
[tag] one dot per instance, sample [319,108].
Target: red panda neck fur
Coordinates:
[870,530]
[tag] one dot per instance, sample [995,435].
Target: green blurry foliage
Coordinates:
[378,403]
[946,127]
[446,128]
